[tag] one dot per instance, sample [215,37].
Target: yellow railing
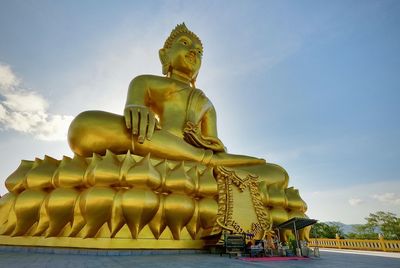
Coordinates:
[360,244]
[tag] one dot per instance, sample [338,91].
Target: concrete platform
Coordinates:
[97,259]
[364,252]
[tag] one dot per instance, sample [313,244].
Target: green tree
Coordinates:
[380,222]
[387,222]
[323,230]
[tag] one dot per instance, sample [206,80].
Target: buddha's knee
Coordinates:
[276,174]
[96,131]
[79,129]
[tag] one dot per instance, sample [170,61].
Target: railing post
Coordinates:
[338,241]
[382,241]
[316,248]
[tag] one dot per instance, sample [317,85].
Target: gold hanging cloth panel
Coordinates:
[240,206]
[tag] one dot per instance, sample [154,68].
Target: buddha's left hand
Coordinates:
[193,135]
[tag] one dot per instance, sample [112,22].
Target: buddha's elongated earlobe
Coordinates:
[166,65]
[193,81]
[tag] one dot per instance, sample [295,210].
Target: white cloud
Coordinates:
[21,101]
[26,111]
[3,112]
[7,78]
[355,201]
[335,205]
[388,198]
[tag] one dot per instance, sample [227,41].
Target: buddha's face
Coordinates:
[185,55]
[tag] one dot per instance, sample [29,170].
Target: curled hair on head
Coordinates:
[178,30]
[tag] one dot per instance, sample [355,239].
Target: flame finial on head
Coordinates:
[178,30]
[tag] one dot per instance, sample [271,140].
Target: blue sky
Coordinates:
[311,85]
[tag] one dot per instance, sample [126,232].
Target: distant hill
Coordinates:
[346,228]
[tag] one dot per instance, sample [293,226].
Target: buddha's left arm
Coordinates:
[209,130]
[202,132]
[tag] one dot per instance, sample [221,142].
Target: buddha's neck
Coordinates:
[180,76]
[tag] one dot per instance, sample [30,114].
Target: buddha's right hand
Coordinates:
[141,121]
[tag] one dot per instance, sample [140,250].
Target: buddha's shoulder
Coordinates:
[200,97]
[199,93]
[149,79]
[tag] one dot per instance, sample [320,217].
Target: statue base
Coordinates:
[102,243]
[132,202]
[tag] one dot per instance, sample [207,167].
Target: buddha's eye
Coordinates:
[200,52]
[185,42]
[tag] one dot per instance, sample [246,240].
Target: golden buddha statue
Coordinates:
[156,177]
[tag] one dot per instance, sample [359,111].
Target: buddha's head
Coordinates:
[182,53]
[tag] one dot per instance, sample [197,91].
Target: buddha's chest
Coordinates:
[171,106]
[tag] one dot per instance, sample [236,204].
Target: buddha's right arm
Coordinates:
[138,117]
[138,91]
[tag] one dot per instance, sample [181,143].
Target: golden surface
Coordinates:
[156,177]
[102,243]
